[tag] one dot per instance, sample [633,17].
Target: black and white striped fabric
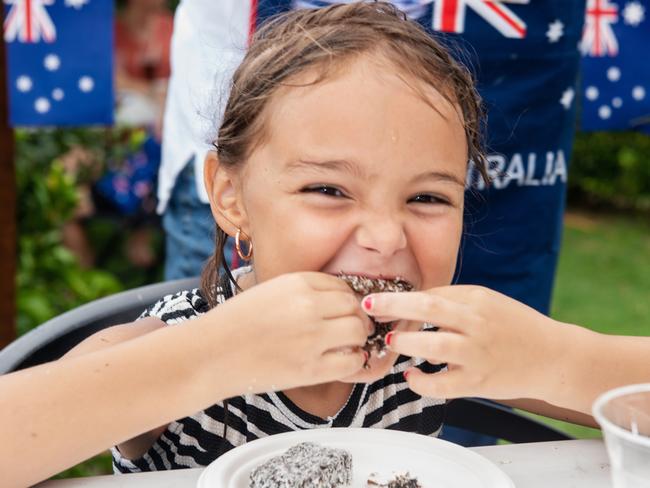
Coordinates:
[198,440]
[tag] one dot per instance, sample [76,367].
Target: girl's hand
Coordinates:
[295,330]
[495,346]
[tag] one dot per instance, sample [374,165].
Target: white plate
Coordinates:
[435,463]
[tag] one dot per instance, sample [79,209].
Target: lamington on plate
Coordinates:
[305,465]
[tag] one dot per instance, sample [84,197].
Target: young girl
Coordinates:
[343,149]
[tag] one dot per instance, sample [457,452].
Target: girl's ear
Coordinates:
[224,195]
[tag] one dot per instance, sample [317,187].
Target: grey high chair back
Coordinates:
[55,337]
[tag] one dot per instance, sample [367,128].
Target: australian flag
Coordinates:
[525,54]
[59,55]
[616,67]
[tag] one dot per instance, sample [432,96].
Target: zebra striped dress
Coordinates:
[199,439]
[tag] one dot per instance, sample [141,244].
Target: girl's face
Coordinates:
[357,175]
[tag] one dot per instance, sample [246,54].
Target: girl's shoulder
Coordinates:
[189,304]
[177,307]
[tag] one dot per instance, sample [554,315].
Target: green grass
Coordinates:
[603,280]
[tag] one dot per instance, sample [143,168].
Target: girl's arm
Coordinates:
[499,348]
[541,407]
[136,447]
[60,413]
[594,363]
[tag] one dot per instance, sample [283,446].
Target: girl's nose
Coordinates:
[382,233]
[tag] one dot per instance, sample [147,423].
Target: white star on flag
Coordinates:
[592,93]
[604,112]
[614,74]
[633,13]
[555,31]
[567,98]
[24,83]
[86,84]
[42,105]
[638,93]
[76,3]
[57,94]
[52,62]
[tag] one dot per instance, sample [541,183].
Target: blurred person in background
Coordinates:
[209,42]
[143,30]
[125,191]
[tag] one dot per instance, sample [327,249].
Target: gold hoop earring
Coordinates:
[249,254]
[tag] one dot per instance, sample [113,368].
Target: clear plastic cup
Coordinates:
[624,416]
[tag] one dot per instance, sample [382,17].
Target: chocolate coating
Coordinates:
[363,286]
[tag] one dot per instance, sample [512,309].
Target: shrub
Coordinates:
[49,278]
[611,168]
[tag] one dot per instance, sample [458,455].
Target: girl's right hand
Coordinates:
[294,330]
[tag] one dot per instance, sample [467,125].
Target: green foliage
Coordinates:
[49,278]
[612,169]
[102,464]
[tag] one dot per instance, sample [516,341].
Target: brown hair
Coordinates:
[306,39]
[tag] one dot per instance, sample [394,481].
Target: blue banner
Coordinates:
[526,57]
[616,65]
[60,62]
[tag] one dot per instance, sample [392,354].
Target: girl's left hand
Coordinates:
[495,346]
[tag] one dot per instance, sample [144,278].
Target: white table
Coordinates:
[563,464]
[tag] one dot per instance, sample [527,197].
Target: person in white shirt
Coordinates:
[209,41]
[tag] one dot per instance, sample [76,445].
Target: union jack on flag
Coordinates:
[59,61]
[29,21]
[599,38]
[449,15]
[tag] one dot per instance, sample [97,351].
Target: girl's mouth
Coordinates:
[363,284]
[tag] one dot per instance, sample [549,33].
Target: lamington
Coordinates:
[403,480]
[305,465]
[363,286]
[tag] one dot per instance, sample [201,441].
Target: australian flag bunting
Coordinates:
[60,62]
[616,65]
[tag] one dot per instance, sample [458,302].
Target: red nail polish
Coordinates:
[406,374]
[389,337]
[367,303]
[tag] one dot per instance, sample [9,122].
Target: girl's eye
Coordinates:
[427,198]
[330,191]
